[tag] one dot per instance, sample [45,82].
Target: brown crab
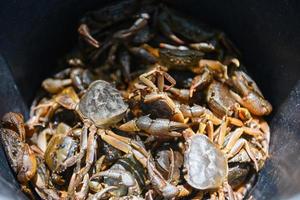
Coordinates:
[158,98]
[251,97]
[20,155]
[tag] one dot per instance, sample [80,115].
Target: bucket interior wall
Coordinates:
[34,34]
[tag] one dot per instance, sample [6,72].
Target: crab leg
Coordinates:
[83,146]
[85,32]
[233,139]
[229,190]
[181,94]
[266,141]
[126,145]
[235,121]
[159,183]
[172,165]
[149,195]
[197,111]
[203,46]
[138,25]
[243,113]
[91,147]
[222,131]
[100,194]
[214,66]
[210,130]
[170,79]
[176,113]
[67,98]
[166,30]
[42,138]
[144,79]
[116,143]
[200,81]
[84,189]
[240,143]
[90,154]
[53,86]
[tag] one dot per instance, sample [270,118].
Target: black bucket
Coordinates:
[34,34]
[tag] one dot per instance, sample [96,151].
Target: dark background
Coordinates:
[34,34]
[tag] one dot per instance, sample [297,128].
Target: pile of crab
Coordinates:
[151,106]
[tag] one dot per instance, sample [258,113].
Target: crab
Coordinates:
[179,59]
[102,104]
[186,59]
[21,157]
[158,98]
[169,163]
[171,23]
[61,152]
[206,70]
[251,97]
[197,112]
[219,99]
[42,181]
[130,146]
[197,36]
[118,44]
[233,146]
[99,107]
[104,18]
[183,121]
[126,174]
[163,187]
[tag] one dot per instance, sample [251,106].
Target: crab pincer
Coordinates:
[156,127]
[20,155]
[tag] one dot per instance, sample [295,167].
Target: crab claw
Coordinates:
[256,104]
[54,86]
[166,29]
[157,127]
[14,121]
[200,81]
[123,176]
[85,32]
[129,126]
[67,98]
[249,95]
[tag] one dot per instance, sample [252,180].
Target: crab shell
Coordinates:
[206,165]
[219,99]
[59,149]
[102,104]
[12,145]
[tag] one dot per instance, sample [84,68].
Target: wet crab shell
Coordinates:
[180,59]
[59,149]
[206,165]
[102,104]
[219,99]
[12,146]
